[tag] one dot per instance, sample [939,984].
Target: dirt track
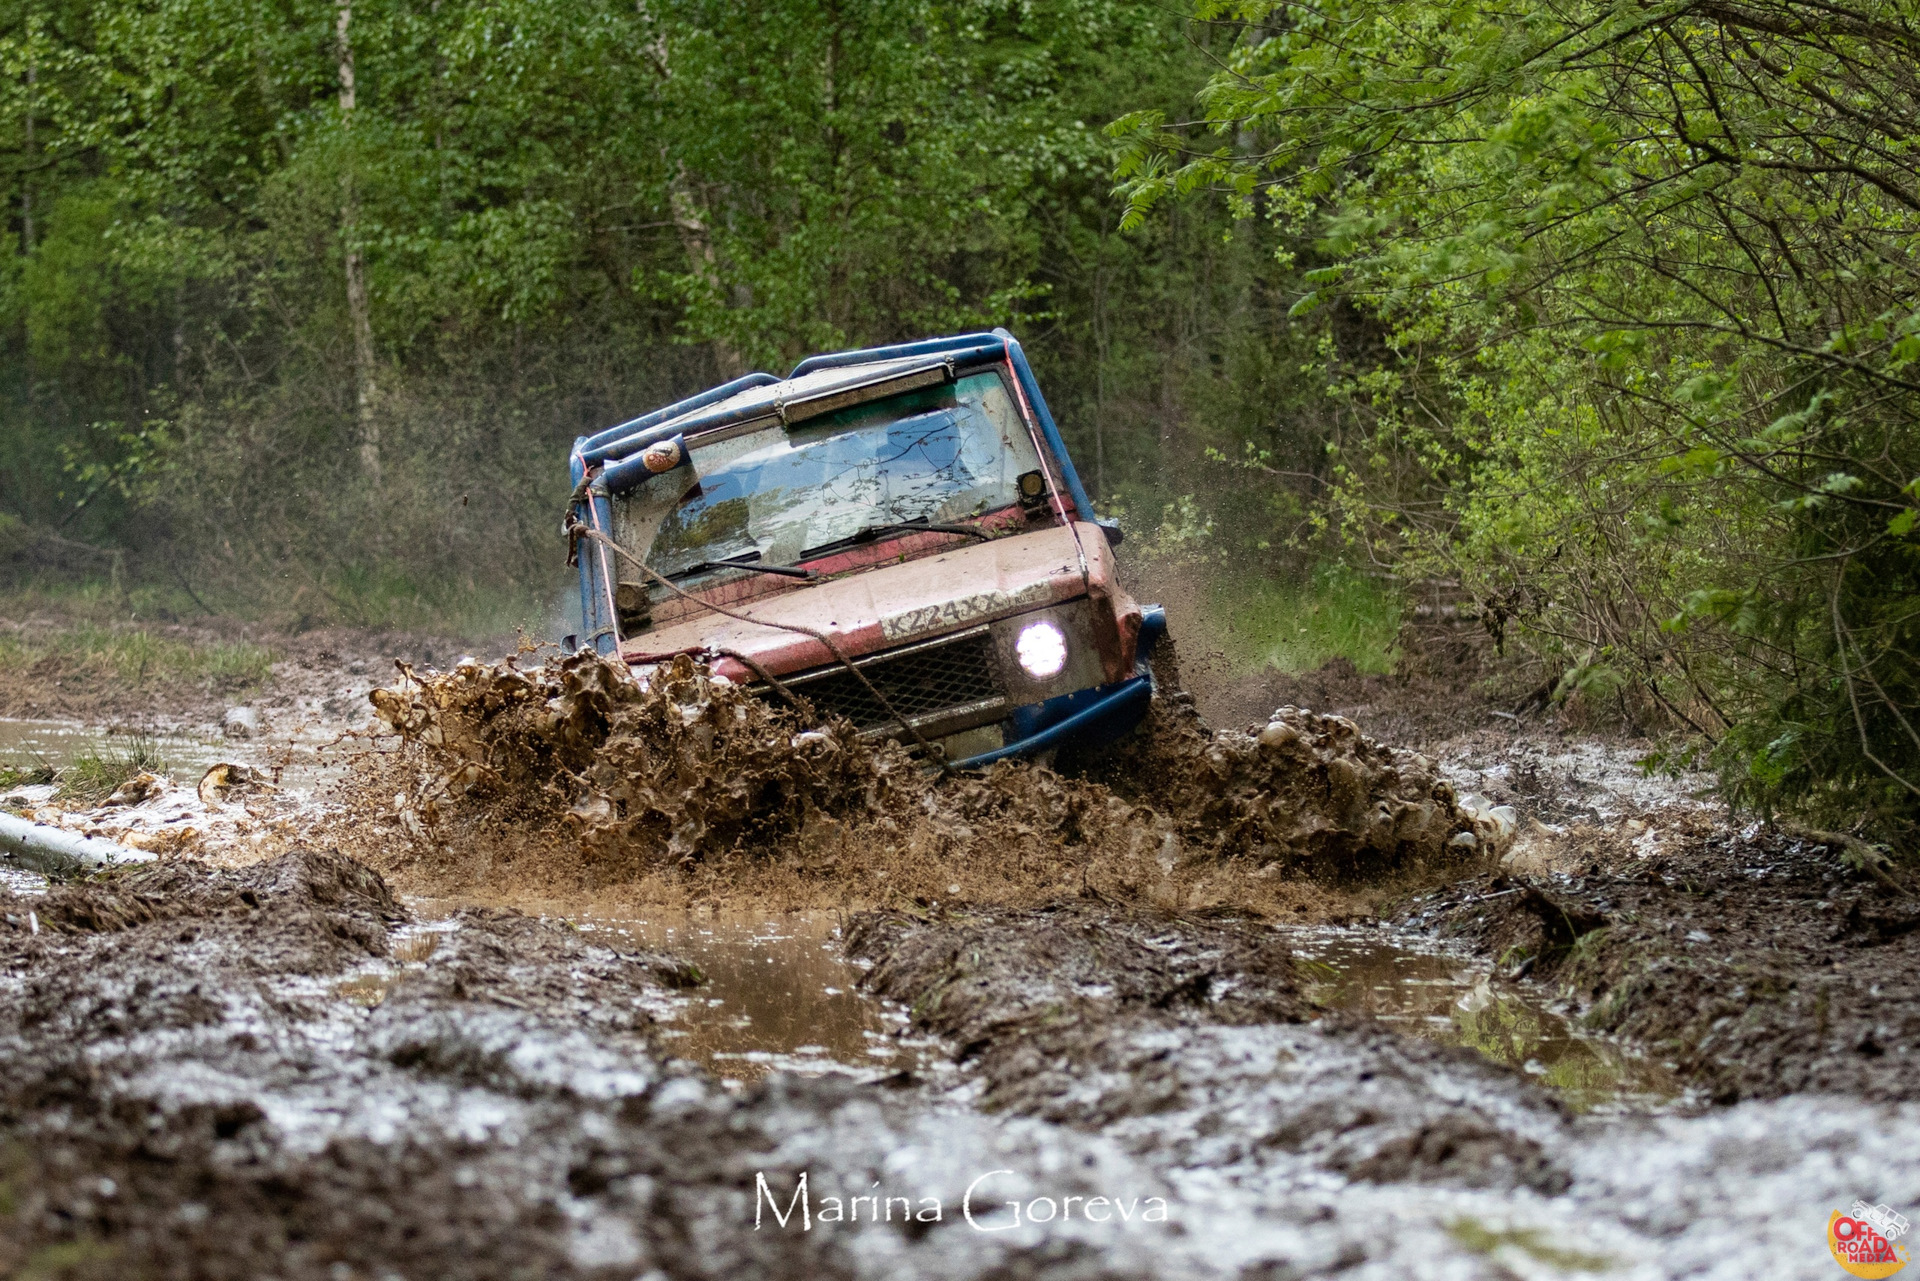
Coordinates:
[281,1069]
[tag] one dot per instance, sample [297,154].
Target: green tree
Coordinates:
[527,221]
[1654,314]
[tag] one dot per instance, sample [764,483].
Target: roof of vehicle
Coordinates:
[758,393]
[768,397]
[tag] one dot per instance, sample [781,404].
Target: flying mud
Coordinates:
[573,774]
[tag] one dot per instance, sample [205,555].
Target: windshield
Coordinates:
[939,454]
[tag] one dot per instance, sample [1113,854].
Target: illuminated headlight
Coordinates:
[1042,649]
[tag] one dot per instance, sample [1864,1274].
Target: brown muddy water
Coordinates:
[57,744]
[1423,989]
[281,1066]
[270,1062]
[781,996]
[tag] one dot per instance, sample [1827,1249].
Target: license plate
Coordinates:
[963,609]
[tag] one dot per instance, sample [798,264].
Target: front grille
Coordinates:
[948,680]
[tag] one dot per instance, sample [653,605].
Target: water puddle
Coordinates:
[31,745]
[780,996]
[1417,987]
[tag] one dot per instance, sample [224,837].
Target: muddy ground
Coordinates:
[225,1064]
[1755,958]
[273,1072]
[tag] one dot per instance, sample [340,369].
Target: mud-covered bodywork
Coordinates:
[916,504]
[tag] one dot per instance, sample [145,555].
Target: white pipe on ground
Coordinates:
[58,852]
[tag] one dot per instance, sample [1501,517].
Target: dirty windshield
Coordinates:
[938,454]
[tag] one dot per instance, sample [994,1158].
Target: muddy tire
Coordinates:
[1137,753]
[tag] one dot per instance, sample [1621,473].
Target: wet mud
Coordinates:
[1421,986]
[1759,962]
[203,1070]
[1092,1018]
[279,1071]
[778,994]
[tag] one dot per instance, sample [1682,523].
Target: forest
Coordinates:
[1604,315]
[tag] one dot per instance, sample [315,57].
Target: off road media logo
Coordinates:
[1862,1240]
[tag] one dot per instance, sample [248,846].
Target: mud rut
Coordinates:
[228,1066]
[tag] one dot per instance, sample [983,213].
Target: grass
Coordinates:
[27,775]
[469,605]
[136,658]
[94,775]
[1299,625]
[1483,1240]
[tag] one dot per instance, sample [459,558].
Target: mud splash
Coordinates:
[573,774]
[1306,792]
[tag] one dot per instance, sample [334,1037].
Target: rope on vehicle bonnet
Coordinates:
[576,528]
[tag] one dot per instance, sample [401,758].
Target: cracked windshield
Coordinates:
[939,455]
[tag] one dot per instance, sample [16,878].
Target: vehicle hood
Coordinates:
[880,608]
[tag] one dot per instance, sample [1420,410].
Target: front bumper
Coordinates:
[1086,717]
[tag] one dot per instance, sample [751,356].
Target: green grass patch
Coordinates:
[97,598]
[1299,625]
[18,775]
[468,605]
[93,775]
[136,657]
[1480,1239]
[472,604]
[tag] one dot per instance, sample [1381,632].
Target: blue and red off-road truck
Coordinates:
[896,534]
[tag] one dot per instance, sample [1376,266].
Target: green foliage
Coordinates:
[1647,380]
[21,775]
[566,214]
[135,658]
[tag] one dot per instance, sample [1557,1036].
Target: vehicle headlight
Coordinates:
[1042,649]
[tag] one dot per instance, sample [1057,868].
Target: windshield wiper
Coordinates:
[867,533]
[702,567]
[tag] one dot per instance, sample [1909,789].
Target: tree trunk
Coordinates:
[358,311]
[26,217]
[698,243]
[26,185]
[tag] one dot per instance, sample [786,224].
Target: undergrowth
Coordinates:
[19,775]
[1298,625]
[94,774]
[394,598]
[134,657]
